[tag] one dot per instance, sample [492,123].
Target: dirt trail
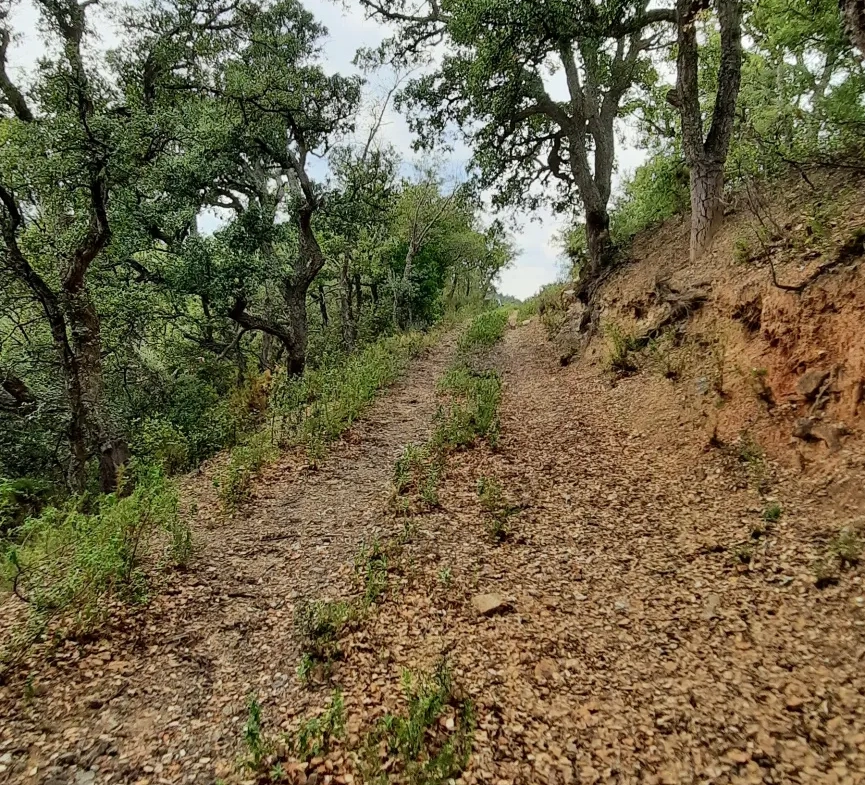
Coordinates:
[638,647]
[163,697]
[656,630]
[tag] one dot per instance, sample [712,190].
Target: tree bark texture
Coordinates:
[707,154]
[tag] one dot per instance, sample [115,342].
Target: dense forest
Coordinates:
[125,327]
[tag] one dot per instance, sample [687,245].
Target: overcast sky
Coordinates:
[538,262]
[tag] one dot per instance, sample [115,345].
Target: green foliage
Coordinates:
[744,553]
[550,308]
[416,475]
[656,191]
[772,512]
[484,331]
[317,407]
[244,464]
[160,442]
[371,567]
[177,331]
[622,347]
[847,547]
[415,744]
[472,412]
[469,412]
[497,508]
[844,551]
[315,736]
[257,746]
[71,561]
[20,499]
[319,624]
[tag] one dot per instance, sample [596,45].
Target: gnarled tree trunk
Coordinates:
[598,242]
[298,326]
[707,154]
[707,204]
[854,21]
[86,392]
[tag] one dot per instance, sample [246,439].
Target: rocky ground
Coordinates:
[641,621]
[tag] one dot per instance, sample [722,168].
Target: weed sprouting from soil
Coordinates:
[497,507]
[431,742]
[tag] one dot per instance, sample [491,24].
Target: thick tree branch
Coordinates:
[12,96]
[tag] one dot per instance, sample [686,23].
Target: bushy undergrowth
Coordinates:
[498,508]
[484,331]
[234,484]
[19,499]
[315,408]
[469,411]
[75,561]
[622,347]
[474,391]
[415,745]
[472,411]
[550,309]
[312,738]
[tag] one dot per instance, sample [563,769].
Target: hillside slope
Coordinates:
[779,364]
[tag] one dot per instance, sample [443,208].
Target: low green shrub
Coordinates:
[316,735]
[160,442]
[20,499]
[371,567]
[622,348]
[234,483]
[317,407]
[416,476]
[497,508]
[473,410]
[772,512]
[73,560]
[484,331]
[551,309]
[312,739]
[319,624]
[418,746]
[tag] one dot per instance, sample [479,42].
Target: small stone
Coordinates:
[546,670]
[710,610]
[489,604]
[85,777]
[809,384]
[738,756]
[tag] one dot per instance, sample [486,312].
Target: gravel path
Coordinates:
[639,646]
[162,699]
[654,627]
